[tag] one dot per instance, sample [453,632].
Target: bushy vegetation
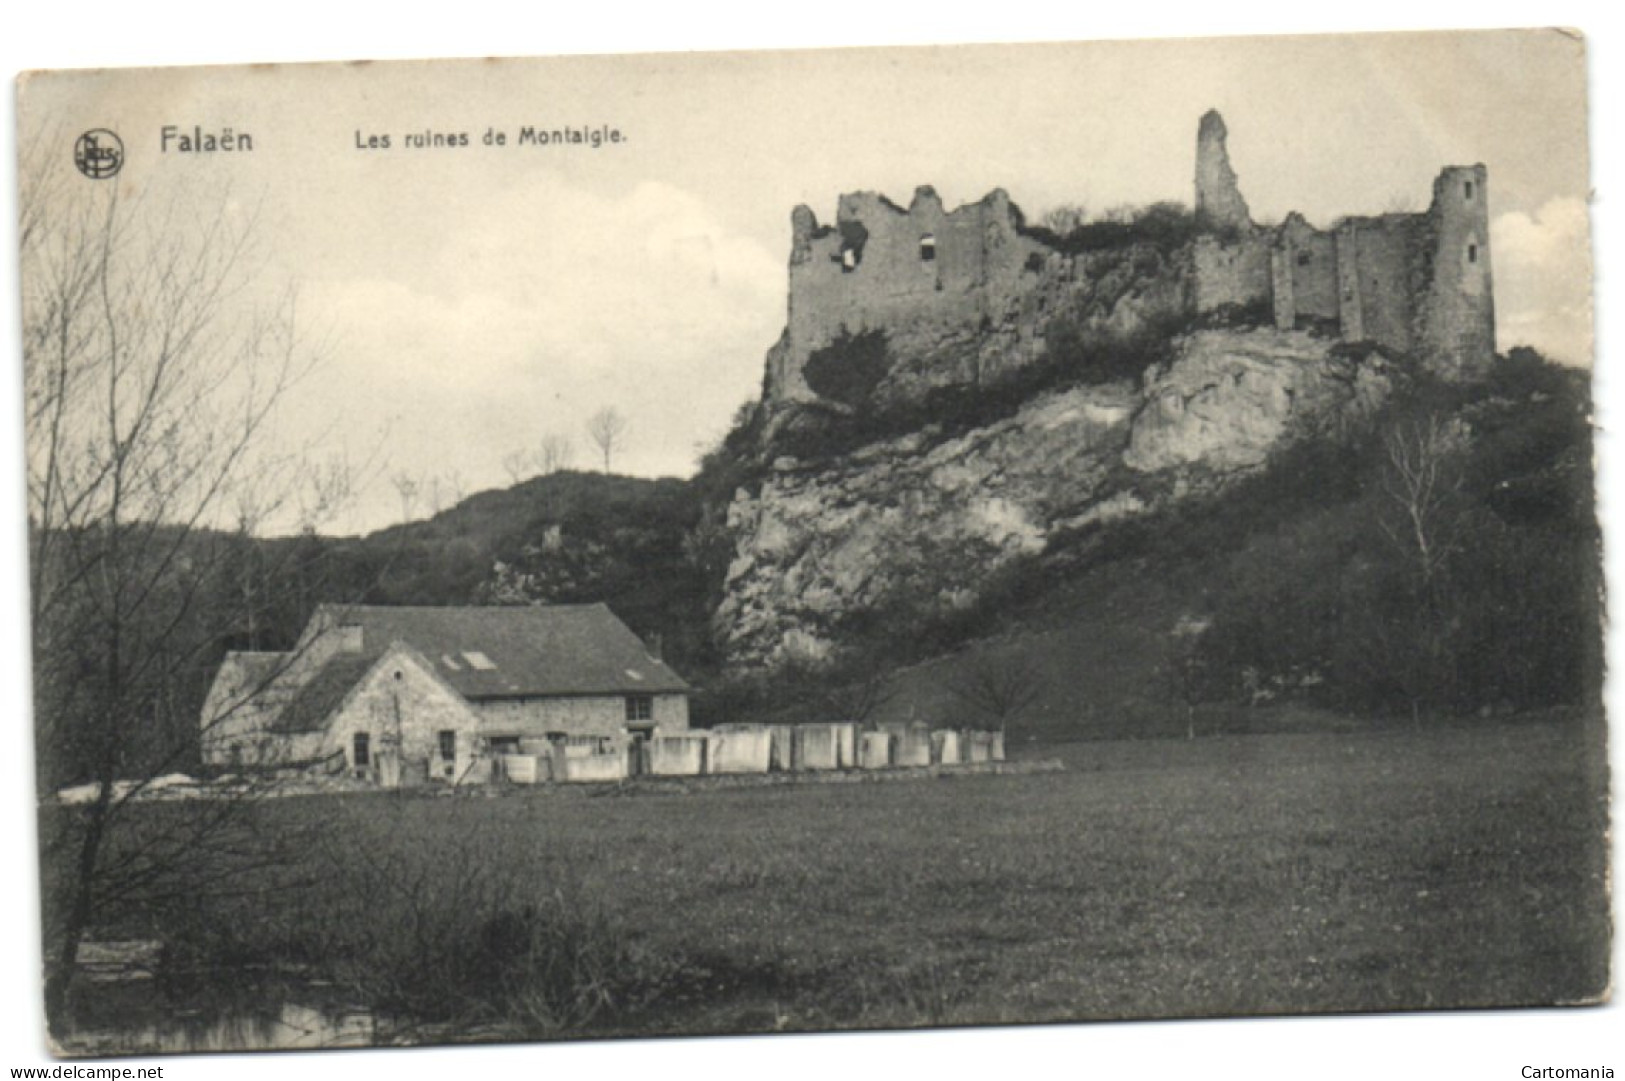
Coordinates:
[1441,559]
[848,369]
[1079,352]
[1167,225]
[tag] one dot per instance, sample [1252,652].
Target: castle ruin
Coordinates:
[968,293]
[1412,283]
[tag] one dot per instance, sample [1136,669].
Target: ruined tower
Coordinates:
[1219,203]
[1412,283]
[1456,321]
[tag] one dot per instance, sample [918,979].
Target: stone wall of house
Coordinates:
[577,715]
[240,704]
[402,707]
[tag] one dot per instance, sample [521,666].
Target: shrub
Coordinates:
[455,930]
[848,369]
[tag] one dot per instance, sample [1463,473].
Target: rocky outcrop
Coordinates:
[925,520]
[1232,397]
[902,519]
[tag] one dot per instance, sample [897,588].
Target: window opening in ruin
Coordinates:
[361,752]
[1468,189]
[853,237]
[448,744]
[1472,253]
[928,248]
[640,707]
[1303,258]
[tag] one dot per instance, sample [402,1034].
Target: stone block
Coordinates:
[913,748]
[677,755]
[739,751]
[875,750]
[817,747]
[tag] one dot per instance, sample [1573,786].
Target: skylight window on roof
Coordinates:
[476,659]
[633,673]
[450,662]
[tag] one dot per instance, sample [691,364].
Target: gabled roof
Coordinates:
[531,651]
[252,669]
[313,703]
[246,683]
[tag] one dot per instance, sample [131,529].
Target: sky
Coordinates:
[1488,1044]
[468,301]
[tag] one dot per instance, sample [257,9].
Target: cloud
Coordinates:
[1543,280]
[547,306]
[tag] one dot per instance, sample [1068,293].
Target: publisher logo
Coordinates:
[99,154]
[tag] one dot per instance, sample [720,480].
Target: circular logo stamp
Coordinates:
[99,154]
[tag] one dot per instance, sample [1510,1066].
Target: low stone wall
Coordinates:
[828,747]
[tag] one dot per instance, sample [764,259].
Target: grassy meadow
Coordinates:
[1451,866]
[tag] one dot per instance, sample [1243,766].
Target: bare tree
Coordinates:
[516,463]
[1426,523]
[456,487]
[407,487]
[152,369]
[1001,685]
[1422,485]
[555,453]
[1063,219]
[607,427]
[855,689]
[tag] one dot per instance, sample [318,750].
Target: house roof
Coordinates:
[252,669]
[512,652]
[313,703]
[247,682]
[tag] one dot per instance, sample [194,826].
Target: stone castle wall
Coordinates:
[923,271]
[1457,316]
[1410,282]
[964,295]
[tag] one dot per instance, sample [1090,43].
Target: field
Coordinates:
[1463,865]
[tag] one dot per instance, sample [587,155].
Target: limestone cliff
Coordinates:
[925,520]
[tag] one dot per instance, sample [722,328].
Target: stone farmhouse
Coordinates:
[410,695]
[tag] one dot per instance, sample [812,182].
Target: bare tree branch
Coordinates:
[607,427]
